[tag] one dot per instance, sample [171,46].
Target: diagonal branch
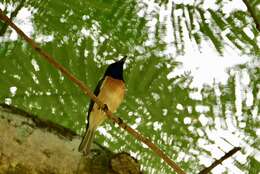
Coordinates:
[86,90]
[252,13]
[13,14]
[219,161]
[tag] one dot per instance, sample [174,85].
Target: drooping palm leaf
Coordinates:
[89,35]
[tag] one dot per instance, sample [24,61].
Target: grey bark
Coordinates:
[29,144]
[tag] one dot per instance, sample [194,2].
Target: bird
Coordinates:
[110,90]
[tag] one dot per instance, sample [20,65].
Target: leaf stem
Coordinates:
[253,14]
[219,161]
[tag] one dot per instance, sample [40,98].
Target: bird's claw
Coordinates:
[105,108]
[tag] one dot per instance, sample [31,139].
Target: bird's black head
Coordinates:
[115,70]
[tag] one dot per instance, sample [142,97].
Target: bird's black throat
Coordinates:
[115,70]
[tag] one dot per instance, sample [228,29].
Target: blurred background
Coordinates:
[192,74]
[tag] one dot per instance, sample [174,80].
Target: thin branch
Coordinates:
[219,161]
[13,14]
[86,90]
[253,14]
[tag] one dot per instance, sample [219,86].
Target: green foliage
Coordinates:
[87,35]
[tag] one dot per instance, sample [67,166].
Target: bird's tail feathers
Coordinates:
[86,142]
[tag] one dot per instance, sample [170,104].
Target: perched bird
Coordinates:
[110,90]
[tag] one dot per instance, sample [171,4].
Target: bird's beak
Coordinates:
[123,59]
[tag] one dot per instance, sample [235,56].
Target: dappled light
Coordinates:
[192,75]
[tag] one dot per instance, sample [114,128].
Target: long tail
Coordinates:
[87,140]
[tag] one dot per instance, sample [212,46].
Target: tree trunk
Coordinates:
[29,144]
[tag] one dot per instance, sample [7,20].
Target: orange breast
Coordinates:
[112,94]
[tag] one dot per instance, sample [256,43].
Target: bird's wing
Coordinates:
[91,104]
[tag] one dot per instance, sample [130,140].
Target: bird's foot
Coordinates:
[104,108]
